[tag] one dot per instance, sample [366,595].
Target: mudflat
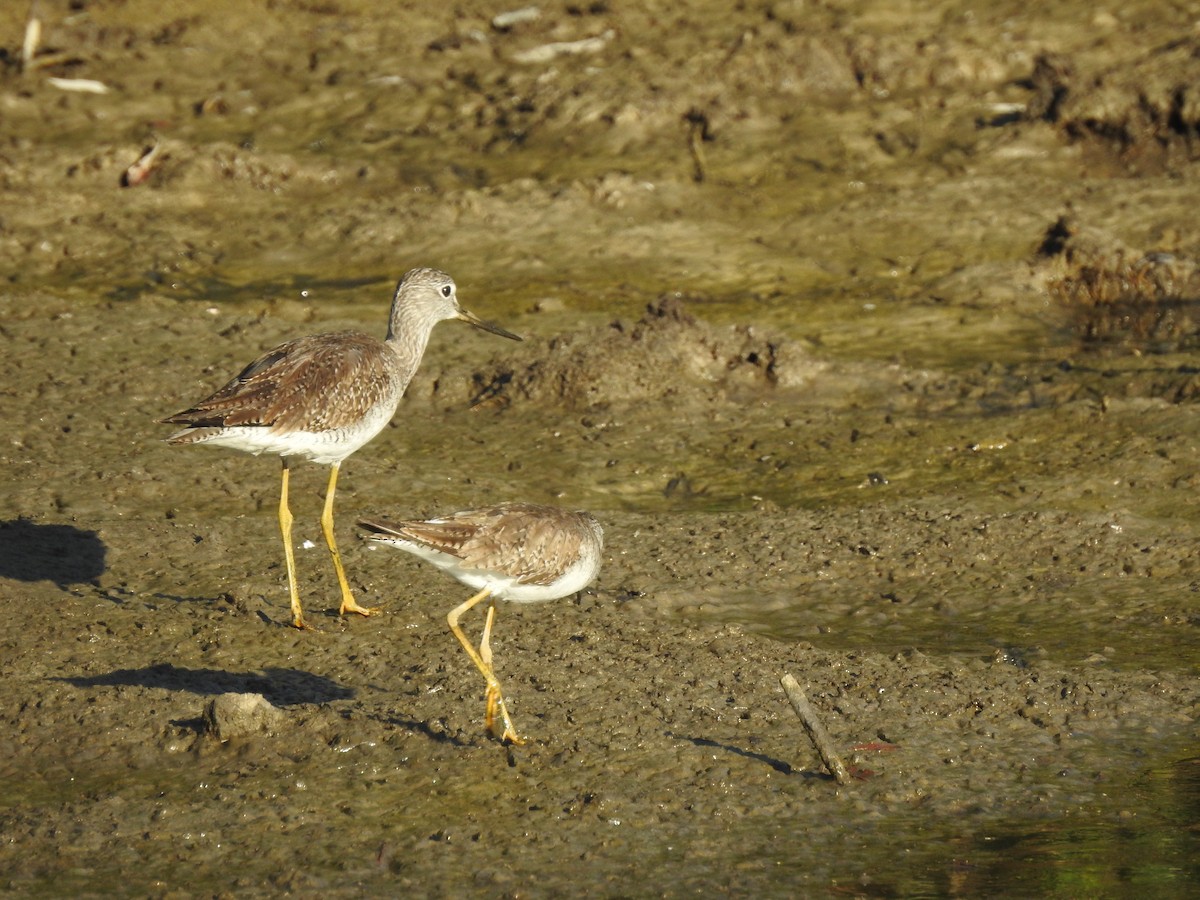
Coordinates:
[868,334]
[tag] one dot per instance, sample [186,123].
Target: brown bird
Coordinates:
[523,552]
[322,397]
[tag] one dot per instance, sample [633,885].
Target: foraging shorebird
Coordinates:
[322,397]
[522,552]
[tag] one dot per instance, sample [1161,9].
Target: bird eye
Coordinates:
[447,291]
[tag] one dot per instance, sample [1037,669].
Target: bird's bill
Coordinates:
[487,326]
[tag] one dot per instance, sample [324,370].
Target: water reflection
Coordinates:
[1116,853]
[1142,843]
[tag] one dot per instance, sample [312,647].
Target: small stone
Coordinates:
[229,716]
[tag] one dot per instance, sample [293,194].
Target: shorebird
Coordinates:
[322,397]
[523,552]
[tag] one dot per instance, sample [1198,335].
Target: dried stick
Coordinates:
[816,731]
[33,38]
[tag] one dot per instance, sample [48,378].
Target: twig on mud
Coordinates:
[547,52]
[79,85]
[816,731]
[698,132]
[33,37]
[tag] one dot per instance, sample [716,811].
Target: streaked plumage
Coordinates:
[522,552]
[324,396]
[269,407]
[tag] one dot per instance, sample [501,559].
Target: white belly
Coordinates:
[323,447]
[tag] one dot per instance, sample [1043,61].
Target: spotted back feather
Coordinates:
[354,371]
[525,541]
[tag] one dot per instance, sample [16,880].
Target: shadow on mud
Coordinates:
[62,554]
[430,731]
[777,764]
[281,687]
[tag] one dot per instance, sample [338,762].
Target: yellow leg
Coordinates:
[485,642]
[495,697]
[348,602]
[285,526]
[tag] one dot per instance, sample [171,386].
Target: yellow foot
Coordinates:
[299,622]
[495,700]
[349,606]
[511,737]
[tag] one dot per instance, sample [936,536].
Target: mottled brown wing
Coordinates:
[347,371]
[525,541]
[445,537]
[536,549]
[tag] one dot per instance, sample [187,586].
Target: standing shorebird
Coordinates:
[323,396]
[521,552]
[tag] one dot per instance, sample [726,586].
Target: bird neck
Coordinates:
[408,334]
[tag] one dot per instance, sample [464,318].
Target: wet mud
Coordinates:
[869,333]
